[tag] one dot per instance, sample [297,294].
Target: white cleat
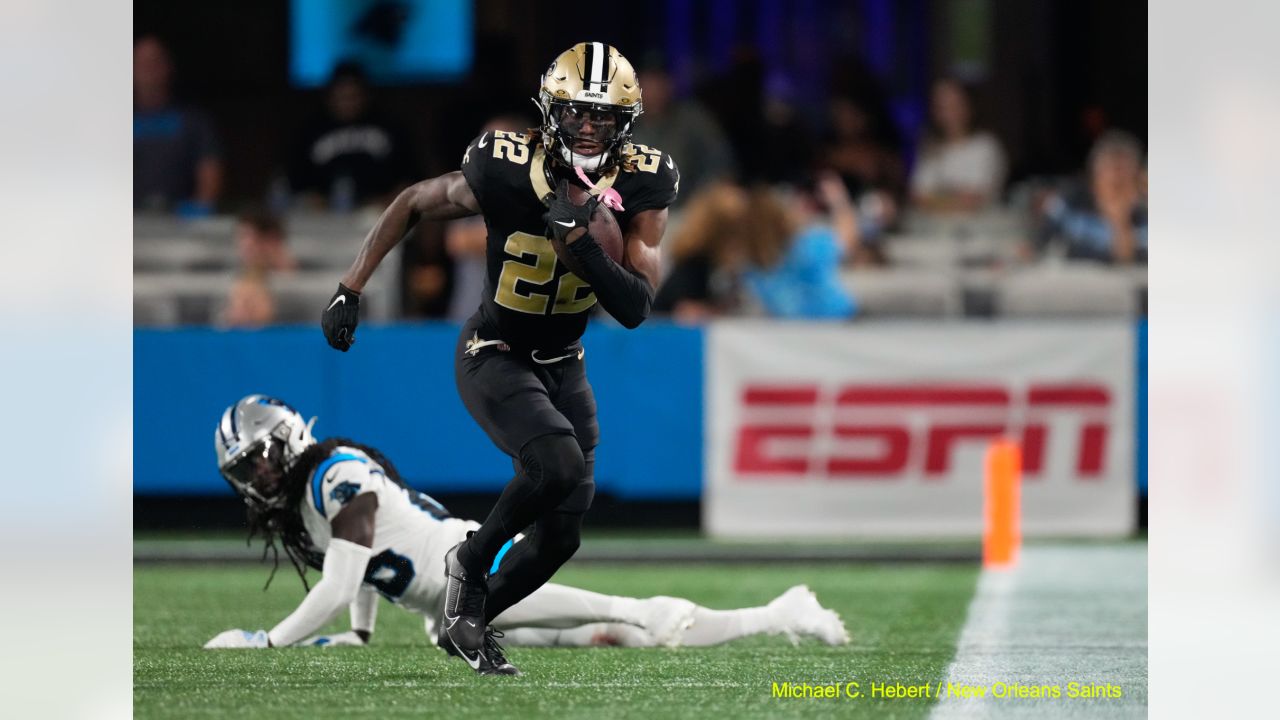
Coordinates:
[798,613]
[666,619]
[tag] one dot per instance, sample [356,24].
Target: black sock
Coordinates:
[531,562]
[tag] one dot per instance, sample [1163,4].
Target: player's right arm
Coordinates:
[446,197]
[345,562]
[346,494]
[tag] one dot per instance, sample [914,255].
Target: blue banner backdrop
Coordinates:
[395,391]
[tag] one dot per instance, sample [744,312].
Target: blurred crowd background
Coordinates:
[839,160]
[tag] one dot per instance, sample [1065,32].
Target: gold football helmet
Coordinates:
[589,99]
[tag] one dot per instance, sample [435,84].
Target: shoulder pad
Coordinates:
[496,163]
[654,175]
[338,478]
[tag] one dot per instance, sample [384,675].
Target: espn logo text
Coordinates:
[888,431]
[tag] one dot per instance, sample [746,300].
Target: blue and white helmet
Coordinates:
[258,440]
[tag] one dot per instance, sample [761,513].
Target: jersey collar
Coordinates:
[541,179]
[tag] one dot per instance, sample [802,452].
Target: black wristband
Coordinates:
[346,289]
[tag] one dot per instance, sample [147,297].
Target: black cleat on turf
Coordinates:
[494,654]
[489,660]
[462,625]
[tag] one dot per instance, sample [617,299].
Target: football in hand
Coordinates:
[603,228]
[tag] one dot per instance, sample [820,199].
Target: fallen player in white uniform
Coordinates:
[340,507]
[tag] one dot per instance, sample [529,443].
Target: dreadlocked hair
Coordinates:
[284,523]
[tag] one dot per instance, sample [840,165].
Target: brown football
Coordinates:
[603,227]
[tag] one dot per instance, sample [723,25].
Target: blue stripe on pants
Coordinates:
[498,558]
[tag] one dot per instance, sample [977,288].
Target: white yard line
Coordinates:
[1067,613]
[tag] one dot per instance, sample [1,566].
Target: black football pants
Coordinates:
[544,417]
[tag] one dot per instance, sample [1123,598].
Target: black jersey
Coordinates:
[531,300]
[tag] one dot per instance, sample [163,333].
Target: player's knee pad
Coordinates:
[555,463]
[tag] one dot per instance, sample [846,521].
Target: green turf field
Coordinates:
[904,621]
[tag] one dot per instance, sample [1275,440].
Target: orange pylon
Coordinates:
[1002,505]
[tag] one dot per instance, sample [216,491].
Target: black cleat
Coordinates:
[462,625]
[495,655]
[489,660]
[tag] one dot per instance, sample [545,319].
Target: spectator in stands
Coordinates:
[249,302]
[871,168]
[350,156]
[427,272]
[1105,220]
[683,128]
[465,240]
[759,253]
[702,283]
[794,250]
[177,165]
[263,252]
[961,168]
[260,243]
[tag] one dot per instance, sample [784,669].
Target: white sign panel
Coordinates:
[881,430]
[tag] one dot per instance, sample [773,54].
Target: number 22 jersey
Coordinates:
[531,300]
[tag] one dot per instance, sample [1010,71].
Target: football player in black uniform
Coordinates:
[519,361]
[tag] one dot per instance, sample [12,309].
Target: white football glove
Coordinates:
[346,639]
[237,639]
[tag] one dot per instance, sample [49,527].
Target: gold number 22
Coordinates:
[525,247]
[646,158]
[512,146]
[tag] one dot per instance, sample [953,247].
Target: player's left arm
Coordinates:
[625,291]
[643,243]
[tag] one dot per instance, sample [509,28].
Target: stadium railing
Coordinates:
[940,268]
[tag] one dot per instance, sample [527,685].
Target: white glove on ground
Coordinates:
[237,639]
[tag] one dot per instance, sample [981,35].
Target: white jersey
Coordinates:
[411,533]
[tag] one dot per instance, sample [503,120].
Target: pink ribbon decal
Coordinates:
[608,196]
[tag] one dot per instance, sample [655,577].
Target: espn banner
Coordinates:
[881,431]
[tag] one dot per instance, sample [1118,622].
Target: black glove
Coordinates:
[563,217]
[339,320]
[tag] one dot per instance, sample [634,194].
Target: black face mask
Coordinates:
[604,123]
[260,468]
